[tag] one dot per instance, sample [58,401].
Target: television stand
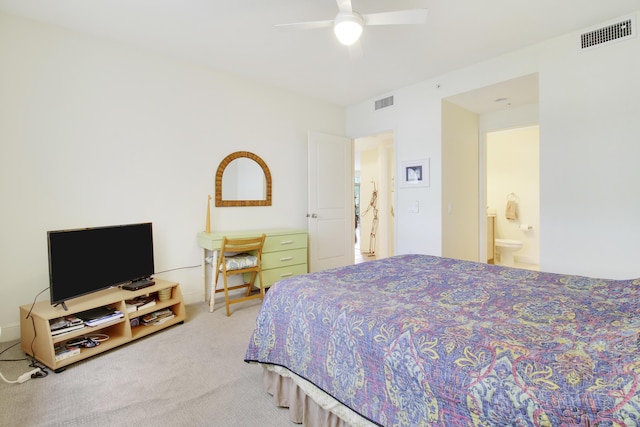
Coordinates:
[138,284]
[35,323]
[63,304]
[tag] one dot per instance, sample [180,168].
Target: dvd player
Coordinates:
[138,284]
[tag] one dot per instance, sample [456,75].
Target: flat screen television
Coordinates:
[86,260]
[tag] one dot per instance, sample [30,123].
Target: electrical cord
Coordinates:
[34,302]
[35,373]
[177,268]
[11,360]
[38,371]
[32,355]
[87,341]
[97,337]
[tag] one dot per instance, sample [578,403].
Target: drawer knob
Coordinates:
[287,258]
[286,274]
[286,242]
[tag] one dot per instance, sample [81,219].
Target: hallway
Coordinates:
[361,256]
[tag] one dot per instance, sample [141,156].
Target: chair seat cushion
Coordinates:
[240,261]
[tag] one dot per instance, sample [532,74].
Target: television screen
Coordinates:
[86,260]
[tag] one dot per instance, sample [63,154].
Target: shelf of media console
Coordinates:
[120,330]
[138,330]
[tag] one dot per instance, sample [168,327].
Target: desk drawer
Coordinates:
[284,242]
[273,275]
[284,258]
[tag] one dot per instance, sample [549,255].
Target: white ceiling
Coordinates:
[500,96]
[240,37]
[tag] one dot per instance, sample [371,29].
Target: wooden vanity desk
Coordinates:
[284,254]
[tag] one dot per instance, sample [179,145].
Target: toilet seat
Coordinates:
[508,243]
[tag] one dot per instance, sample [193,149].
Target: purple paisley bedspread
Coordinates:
[416,340]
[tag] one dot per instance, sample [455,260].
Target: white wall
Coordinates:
[588,108]
[415,138]
[589,152]
[460,189]
[96,133]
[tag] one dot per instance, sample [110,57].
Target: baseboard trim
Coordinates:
[527,259]
[10,333]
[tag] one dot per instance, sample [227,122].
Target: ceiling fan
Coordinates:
[348,24]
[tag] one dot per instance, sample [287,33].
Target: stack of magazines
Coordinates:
[158,317]
[140,303]
[100,315]
[65,324]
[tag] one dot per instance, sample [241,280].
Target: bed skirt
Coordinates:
[308,405]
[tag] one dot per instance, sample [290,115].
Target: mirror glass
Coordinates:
[243,179]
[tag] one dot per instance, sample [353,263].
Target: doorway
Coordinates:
[466,120]
[513,174]
[374,197]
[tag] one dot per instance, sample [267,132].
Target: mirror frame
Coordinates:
[223,164]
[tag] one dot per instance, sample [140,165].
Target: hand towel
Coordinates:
[510,212]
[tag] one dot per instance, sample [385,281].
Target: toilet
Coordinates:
[506,248]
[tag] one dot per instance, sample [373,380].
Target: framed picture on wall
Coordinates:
[415,173]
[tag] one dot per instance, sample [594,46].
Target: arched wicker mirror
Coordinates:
[243,179]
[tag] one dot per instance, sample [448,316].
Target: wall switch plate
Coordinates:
[415,207]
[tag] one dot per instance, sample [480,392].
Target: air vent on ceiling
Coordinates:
[610,33]
[384,102]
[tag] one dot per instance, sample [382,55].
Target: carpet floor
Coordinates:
[187,375]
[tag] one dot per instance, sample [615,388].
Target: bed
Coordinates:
[416,340]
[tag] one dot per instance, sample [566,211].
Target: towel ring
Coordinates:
[513,198]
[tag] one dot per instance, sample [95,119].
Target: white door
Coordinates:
[331,205]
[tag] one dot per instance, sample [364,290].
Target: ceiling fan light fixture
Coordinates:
[348,28]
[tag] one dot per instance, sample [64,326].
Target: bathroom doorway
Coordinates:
[467,118]
[512,159]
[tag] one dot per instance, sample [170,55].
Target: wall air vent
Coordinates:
[610,33]
[384,102]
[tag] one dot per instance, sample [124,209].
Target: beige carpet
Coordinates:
[188,375]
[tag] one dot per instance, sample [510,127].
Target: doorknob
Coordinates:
[312,215]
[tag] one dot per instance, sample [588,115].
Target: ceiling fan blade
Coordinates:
[308,25]
[398,17]
[344,6]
